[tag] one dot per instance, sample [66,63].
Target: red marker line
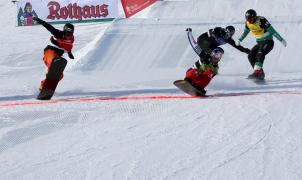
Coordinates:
[93,99]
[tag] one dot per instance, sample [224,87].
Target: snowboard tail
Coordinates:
[186,87]
[53,77]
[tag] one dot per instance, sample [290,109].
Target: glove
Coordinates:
[238,42]
[284,42]
[189,29]
[40,21]
[70,55]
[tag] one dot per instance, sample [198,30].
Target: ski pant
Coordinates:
[199,79]
[259,51]
[49,56]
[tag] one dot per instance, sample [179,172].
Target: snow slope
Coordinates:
[104,122]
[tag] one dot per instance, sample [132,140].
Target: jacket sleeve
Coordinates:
[245,33]
[240,48]
[272,31]
[204,42]
[193,43]
[269,28]
[49,27]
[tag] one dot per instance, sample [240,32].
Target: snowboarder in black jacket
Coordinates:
[212,39]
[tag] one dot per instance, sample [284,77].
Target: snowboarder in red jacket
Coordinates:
[62,41]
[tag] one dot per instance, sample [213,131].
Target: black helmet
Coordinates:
[68,28]
[218,32]
[229,31]
[250,15]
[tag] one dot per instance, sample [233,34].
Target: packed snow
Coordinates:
[117,115]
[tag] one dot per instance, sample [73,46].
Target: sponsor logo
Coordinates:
[131,7]
[73,11]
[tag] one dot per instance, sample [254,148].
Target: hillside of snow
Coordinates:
[117,115]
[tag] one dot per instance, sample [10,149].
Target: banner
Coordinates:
[62,11]
[132,7]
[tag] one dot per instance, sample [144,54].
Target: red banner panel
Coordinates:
[132,7]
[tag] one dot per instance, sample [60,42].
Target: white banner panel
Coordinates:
[62,11]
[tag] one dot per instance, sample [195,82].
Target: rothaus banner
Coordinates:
[62,11]
[132,7]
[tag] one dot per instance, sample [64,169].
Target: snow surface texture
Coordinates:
[230,136]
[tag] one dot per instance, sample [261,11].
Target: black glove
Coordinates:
[247,50]
[40,21]
[189,29]
[70,55]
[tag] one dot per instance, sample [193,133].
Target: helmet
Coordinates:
[217,32]
[229,31]
[250,15]
[68,28]
[216,55]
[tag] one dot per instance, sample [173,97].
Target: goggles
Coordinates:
[216,56]
[250,19]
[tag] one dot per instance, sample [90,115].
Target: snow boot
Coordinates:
[257,74]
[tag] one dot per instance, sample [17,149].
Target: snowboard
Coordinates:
[52,78]
[187,87]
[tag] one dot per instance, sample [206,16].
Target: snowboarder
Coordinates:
[210,40]
[200,76]
[263,31]
[62,41]
[207,48]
